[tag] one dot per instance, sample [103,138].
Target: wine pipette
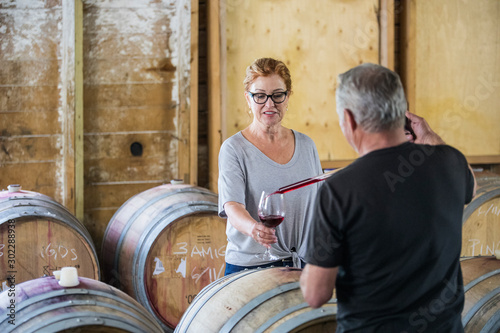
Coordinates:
[304,182]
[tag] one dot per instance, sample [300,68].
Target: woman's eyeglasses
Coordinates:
[261,98]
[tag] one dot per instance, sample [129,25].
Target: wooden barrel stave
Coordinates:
[481,219]
[312,321]
[44,306]
[301,318]
[482,293]
[140,238]
[264,300]
[46,235]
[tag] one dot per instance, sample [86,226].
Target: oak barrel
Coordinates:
[163,246]
[258,300]
[481,218]
[42,305]
[39,235]
[482,294]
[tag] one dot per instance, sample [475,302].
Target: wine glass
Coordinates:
[271,213]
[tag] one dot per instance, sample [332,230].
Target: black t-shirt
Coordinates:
[392,222]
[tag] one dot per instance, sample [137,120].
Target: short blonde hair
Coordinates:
[265,67]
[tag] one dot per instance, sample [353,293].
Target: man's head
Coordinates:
[375,97]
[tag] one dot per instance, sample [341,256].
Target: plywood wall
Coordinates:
[136,92]
[451,71]
[37,97]
[316,39]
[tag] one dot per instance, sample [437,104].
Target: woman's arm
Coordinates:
[241,220]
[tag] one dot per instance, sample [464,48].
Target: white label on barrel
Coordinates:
[182,268]
[1,249]
[477,247]
[4,285]
[158,267]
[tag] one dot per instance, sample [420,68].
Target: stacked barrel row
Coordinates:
[161,247]
[38,236]
[166,246]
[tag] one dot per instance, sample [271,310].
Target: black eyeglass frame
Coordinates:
[269,96]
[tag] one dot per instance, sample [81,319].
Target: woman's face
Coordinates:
[269,113]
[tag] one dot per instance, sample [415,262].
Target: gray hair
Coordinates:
[374,95]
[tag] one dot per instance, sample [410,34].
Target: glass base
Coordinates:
[267,256]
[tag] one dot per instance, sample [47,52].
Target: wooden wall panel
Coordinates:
[22,71]
[452,73]
[36,99]
[39,173]
[137,67]
[34,123]
[316,39]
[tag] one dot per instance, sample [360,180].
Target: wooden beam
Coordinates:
[79,180]
[193,96]
[184,62]
[494,160]
[491,159]
[65,179]
[408,51]
[386,24]
[214,92]
[335,164]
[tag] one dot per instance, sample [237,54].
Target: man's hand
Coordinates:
[423,132]
[425,135]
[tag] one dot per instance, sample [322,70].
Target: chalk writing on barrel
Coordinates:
[195,250]
[1,249]
[492,209]
[56,250]
[479,247]
[212,272]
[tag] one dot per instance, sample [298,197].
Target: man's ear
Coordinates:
[349,120]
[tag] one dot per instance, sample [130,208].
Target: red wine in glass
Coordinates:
[271,213]
[271,221]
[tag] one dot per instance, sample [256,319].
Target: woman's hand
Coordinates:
[263,235]
[240,218]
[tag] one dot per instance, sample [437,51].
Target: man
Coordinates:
[387,229]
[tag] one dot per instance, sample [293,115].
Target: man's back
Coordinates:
[392,221]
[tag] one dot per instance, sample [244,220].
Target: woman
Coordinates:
[265,156]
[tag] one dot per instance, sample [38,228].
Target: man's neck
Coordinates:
[368,142]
